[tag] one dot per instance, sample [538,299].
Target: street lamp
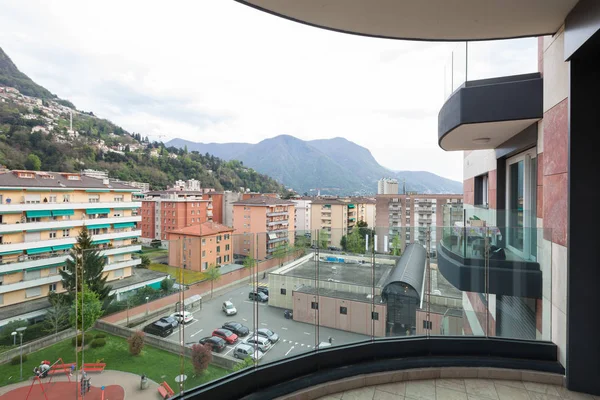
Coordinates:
[147,298]
[14,335]
[21,330]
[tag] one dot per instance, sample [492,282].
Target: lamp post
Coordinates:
[147,298]
[14,335]
[21,330]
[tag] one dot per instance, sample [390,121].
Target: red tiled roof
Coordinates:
[206,229]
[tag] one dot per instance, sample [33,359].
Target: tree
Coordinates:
[344,243]
[355,243]
[362,224]
[249,264]
[89,309]
[395,247]
[145,261]
[166,285]
[136,343]
[201,357]
[213,274]
[88,264]
[33,163]
[280,252]
[323,239]
[57,316]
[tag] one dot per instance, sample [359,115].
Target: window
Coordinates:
[193,220]
[314,305]
[344,310]
[95,231]
[283,291]
[52,287]
[118,199]
[118,214]
[66,233]
[226,247]
[66,198]
[375,316]
[52,235]
[203,253]
[193,212]
[52,198]
[33,219]
[203,241]
[218,249]
[33,292]
[226,259]
[218,238]
[32,198]
[481,190]
[204,266]
[218,260]
[95,198]
[118,273]
[227,237]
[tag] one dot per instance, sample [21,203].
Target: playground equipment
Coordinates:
[57,366]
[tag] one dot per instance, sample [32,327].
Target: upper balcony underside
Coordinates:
[435,20]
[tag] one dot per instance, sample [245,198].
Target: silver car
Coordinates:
[228,308]
[261,343]
[269,334]
[244,351]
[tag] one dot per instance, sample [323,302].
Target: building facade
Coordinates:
[410,216]
[387,186]
[169,210]
[201,246]
[261,225]
[41,215]
[302,220]
[229,198]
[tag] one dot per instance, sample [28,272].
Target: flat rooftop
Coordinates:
[339,294]
[139,275]
[351,273]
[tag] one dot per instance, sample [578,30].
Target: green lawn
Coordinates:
[154,253]
[189,277]
[158,365]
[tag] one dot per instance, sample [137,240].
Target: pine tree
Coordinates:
[85,257]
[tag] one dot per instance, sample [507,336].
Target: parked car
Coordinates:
[183,317]
[216,343]
[226,335]
[258,342]
[264,290]
[244,351]
[170,320]
[258,296]
[159,328]
[236,328]
[269,334]
[228,308]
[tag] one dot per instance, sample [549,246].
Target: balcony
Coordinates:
[65,224]
[30,283]
[280,222]
[487,113]
[277,213]
[15,206]
[277,239]
[122,264]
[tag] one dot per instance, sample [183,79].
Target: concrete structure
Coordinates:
[41,215]
[200,246]
[410,216]
[169,210]
[302,221]
[229,198]
[264,223]
[387,186]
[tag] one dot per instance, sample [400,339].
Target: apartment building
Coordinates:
[41,214]
[366,210]
[302,220]
[201,246]
[387,186]
[228,199]
[263,223]
[169,210]
[410,216]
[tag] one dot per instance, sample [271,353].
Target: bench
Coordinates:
[60,368]
[165,390]
[94,367]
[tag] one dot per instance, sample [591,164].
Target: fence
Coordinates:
[36,345]
[172,347]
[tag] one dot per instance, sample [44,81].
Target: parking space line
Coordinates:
[194,334]
[288,352]
[307,333]
[262,323]
[285,329]
[244,319]
[230,350]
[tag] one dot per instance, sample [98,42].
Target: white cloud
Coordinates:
[218,71]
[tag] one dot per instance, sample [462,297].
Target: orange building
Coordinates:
[215,207]
[261,224]
[199,247]
[246,196]
[166,211]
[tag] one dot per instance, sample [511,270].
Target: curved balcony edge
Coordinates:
[287,376]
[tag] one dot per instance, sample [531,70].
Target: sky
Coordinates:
[219,71]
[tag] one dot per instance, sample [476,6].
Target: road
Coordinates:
[295,337]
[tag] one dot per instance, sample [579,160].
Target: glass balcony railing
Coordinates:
[257,300]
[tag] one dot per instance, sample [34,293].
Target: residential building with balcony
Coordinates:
[302,215]
[387,186]
[410,216]
[41,215]
[261,224]
[330,216]
[170,210]
[199,247]
[228,198]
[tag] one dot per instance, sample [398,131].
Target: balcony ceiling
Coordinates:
[435,20]
[465,136]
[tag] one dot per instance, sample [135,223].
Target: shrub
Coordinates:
[100,335]
[201,357]
[245,363]
[78,340]
[16,360]
[100,342]
[136,343]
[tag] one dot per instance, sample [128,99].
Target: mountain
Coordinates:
[337,166]
[35,134]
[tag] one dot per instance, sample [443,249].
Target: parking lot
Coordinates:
[295,337]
